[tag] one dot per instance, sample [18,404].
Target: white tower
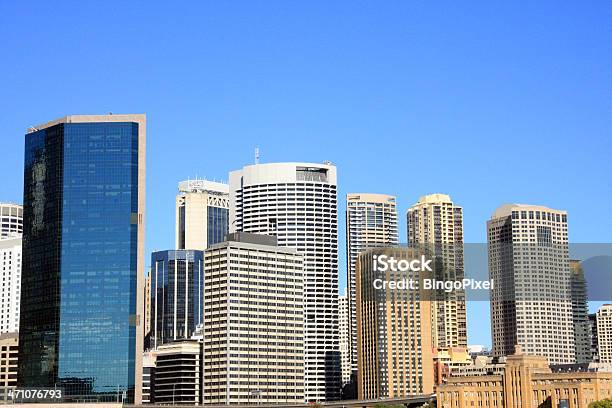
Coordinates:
[297,202]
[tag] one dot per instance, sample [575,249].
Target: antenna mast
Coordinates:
[257,155]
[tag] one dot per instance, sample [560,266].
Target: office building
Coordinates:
[83,239]
[177,289]
[177,377]
[526,381]
[9,356]
[435,224]
[10,266]
[604,334]
[297,203]
[371,221]
[393,330]
[345,344]
[253,334]
[580,314]
[531,301]
[148,376]
[11,220]
[202,209]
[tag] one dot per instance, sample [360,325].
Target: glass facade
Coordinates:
[79,284]
[217,224]
[177,289]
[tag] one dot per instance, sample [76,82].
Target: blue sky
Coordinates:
[489,102]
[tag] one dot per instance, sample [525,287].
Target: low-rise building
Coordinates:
[177,374]
[526,381]
[447,360]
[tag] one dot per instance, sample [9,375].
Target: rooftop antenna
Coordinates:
[257,155]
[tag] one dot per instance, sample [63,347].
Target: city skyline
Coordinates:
[490,92]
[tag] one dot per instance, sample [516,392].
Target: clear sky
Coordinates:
[490,102]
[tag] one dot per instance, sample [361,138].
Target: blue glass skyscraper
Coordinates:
[177,291]
[83,254]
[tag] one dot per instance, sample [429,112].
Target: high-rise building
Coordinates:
[10,266]
[580,314]
[9,356]
[371,221]
[298,203]
[11,220]
[531,303]
[345,344]
[83,242]
[253,334]
[177,289]
[604,333]
[435,224]
[202,209]
[393,329]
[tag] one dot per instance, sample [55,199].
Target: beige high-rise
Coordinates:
[435,224]
[393,330]
[202,210]
[371,221]
[254,327]
[531,303]
[604,333]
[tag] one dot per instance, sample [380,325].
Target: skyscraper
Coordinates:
[201,214]
[254,328]
[371,221]
[83,251]
[11,220]
[393,329]
[345,344]
[531,303]
[297,203]
[177,288]
[10,266]
[580,314]
[604,333]
[435,224]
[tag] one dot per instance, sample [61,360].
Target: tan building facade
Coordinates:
[393,330]
[436,224]
[527,381]
[253,332]
[371,221]
[9,350]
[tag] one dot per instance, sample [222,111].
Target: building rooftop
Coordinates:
[137,117]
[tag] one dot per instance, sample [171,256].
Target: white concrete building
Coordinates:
[10,266]
[531,303]
[436,222]
[201,214]
[604,333]
[253,333]
[371,221]
[11,220]
[345,343]
[297,203]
